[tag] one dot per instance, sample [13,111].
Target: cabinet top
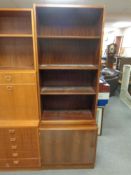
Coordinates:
[68,6]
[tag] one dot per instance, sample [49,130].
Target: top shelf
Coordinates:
[65,22]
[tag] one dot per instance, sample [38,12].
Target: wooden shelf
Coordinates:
[16,35]
[68,66]
[67,90]
[16,68]
[67,37]
[67,115]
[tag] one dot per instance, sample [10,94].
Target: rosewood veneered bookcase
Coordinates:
[68,41]
[49,74]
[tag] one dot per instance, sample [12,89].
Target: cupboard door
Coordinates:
[6,102]
[69,147]
[18,102]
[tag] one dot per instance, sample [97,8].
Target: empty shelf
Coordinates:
[68,66]
[67,115]
[67,90]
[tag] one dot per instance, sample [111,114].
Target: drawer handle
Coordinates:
[16,162]
[15,154]
[14,147]
[12,139]
[9,88]
[11,131]
[8,78]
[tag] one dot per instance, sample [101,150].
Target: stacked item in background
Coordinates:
[103,98]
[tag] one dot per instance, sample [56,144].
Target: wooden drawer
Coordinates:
[68,146]
[19,163]
[19,143]
[17,78]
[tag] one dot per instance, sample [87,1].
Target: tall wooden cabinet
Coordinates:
[19,116]
[68,48]
[49,73]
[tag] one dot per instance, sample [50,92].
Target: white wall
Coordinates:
[127,42]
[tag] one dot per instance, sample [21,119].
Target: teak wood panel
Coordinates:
[12,77]
[19,147]
[16,53]
[55,21]
[15,22]
[68,51]
[19,143]
[68,147]
[18,102]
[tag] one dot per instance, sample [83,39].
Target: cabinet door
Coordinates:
[18,102]
[68,147]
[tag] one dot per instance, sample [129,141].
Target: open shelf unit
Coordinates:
[16,39]
[68,42]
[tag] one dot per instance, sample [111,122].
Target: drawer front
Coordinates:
[17,78]
[19,163]
[18,102]
[19,143]
[63,147]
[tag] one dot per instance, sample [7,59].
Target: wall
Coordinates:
[127,42]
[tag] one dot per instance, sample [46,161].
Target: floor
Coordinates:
[114,146]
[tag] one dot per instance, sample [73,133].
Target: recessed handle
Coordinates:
[9,88]
[16,162]
[15,154]
[11,131]
[14,147]
[13,139]
[8,78]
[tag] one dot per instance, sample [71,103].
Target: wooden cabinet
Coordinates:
[18,93]
[69,41]
[19,137]
[19,147]
[49,74]
[18,102]
[68,146]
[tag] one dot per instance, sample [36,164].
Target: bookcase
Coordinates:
[49,73]
[19,117]
[68,50]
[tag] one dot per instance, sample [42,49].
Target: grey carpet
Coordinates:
[114,146]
